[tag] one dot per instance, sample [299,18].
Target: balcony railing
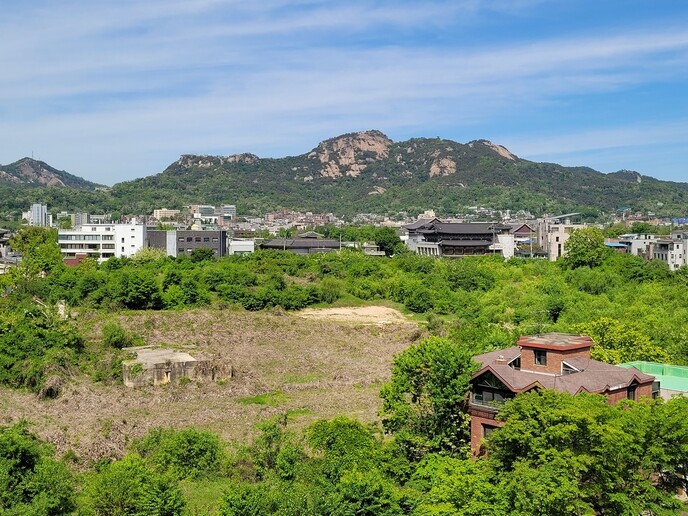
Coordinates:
[492,404]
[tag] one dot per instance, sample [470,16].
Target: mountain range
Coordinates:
[362,172]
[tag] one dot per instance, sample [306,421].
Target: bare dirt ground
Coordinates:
[362,315]
[324,363]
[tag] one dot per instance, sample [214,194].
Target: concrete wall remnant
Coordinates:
[158,366]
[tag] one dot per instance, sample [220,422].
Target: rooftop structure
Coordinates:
[672,379]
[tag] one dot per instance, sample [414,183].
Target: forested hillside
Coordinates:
[367,172]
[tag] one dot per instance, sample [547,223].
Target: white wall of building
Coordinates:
[102,241]
[241,246]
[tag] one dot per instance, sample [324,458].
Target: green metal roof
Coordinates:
[670,377]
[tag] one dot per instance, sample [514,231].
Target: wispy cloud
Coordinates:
[134,83]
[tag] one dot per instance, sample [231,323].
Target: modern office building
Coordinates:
[184,241]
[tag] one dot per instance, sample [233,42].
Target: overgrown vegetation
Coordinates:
[556,454]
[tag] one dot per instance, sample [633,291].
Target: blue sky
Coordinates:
[116,90]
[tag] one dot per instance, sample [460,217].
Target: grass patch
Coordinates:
[203,496]
[295,413]
[269,399]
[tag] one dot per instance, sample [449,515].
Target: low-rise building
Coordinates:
[555,361]
[102,241]
[306,243]
[165,214]
[177,242]
[241,246]
[553,232]
[639,244]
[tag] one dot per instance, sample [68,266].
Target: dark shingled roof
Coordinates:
[420,223]
[592,376]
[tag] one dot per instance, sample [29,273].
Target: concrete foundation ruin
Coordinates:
[158,366]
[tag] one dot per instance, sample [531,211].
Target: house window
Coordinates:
[206,239]
[189,239]
[487,430]
[630,392]
[540,357]
[489,391]
[655,390]
[567,369]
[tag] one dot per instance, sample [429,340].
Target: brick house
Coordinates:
[556,361]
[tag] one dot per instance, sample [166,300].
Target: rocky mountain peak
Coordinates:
[349,154]
[28,171]
[499,149]
[207,161]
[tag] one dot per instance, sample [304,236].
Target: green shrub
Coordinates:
[184,453]
[129,486]
[31,481]
[115,336]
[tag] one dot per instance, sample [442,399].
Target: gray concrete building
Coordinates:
[178,242]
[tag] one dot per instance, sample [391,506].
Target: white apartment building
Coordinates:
[38,215]
[102,241]
[672,250]
[554,232]
[639,244]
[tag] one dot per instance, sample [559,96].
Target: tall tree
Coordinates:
[40,251]
[585,247]
[424,403]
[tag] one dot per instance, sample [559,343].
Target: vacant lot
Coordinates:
[314,365]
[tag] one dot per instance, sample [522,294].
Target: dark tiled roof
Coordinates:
[420,223]
[466,243]
[302,243]
[310,234]
[469,228]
